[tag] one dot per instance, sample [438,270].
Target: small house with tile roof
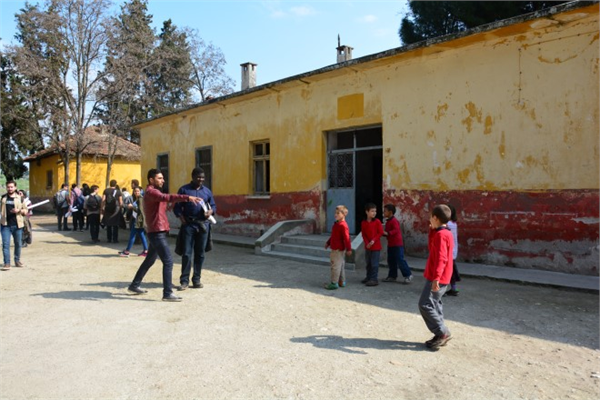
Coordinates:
[47,173]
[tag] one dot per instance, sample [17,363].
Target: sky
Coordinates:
[283,37]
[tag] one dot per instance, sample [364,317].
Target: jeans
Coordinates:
[77,220]
[17,234]
[62,219]
[430,306]
[112,234]
[194,242]
[159,247]
[132,235]
[94,220]
[396,259]
[372,259]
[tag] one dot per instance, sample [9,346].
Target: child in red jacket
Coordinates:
[395,247]
[339,241]
[438,272]
[371,230]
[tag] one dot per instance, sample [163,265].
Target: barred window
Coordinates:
[341,170]
[162,163]
[261,168]
[204,161]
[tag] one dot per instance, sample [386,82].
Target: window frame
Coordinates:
[265,159]
[165,188]
[208,176]
[49,179]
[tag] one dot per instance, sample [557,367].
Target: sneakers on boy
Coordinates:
[452,292]
[389,279]
[408,279]
[342,283]
[332,286]
[372,283]
[124,253]
[438,341]
[143,254]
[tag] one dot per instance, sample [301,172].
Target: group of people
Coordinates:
[194,205]
[440,273]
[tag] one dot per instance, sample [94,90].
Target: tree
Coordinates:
[171,73]
[61,49]
[126,87]
[428,19]
[21,132]
[208,76]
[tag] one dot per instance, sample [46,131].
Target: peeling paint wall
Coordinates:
[503,124]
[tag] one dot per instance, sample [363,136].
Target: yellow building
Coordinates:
[500,121]
[47,172]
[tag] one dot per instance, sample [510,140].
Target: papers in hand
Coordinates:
[211,219]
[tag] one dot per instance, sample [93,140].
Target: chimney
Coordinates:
[248,75]
[344,53]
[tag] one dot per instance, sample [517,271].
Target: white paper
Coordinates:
[134,214]
[37,204]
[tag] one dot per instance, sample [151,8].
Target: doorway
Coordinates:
[354,173]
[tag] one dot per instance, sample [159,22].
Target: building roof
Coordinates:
[97,146]
[355,64]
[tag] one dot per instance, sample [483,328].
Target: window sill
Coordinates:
[258,197]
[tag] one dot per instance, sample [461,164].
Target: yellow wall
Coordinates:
[93,172]
[511,109]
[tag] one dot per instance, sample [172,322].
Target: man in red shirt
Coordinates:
[438,271]
[157,227]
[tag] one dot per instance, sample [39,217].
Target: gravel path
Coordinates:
[263,328]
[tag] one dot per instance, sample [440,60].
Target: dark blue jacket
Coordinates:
[193,211]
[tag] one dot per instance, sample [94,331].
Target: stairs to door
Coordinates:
[305,248]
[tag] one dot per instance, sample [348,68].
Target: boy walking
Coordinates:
[339,241]
[438,272]
[395,248]
[371,230]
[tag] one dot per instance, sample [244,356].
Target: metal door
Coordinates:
[340,174]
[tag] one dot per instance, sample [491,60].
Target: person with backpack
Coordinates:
[61,203]
[112,202]
[85,189]
[12,210]
[92,207]
[77,201]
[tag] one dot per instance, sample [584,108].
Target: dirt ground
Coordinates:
[263,328]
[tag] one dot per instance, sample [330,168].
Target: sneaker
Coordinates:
[172,298]
[451,292]
[408,279]
[365,280]
[182,287]
[332,286]
[198,285]
[143,254]
[438,341]
[6,267]
[19,264]
[124,253]
[342,283]
[136,290]
[372,283]
[389,279]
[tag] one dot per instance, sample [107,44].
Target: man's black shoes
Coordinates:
[136,290]
[172,298]
[183,287]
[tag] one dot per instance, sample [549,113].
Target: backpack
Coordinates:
[93,204]
[111,202]
[79,201]
[59,200]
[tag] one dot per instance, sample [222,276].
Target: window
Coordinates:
[49,179]
[162,163]
[204,161]
[261,168]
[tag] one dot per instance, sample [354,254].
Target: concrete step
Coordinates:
[301,249]
[306,240]
[305,259]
